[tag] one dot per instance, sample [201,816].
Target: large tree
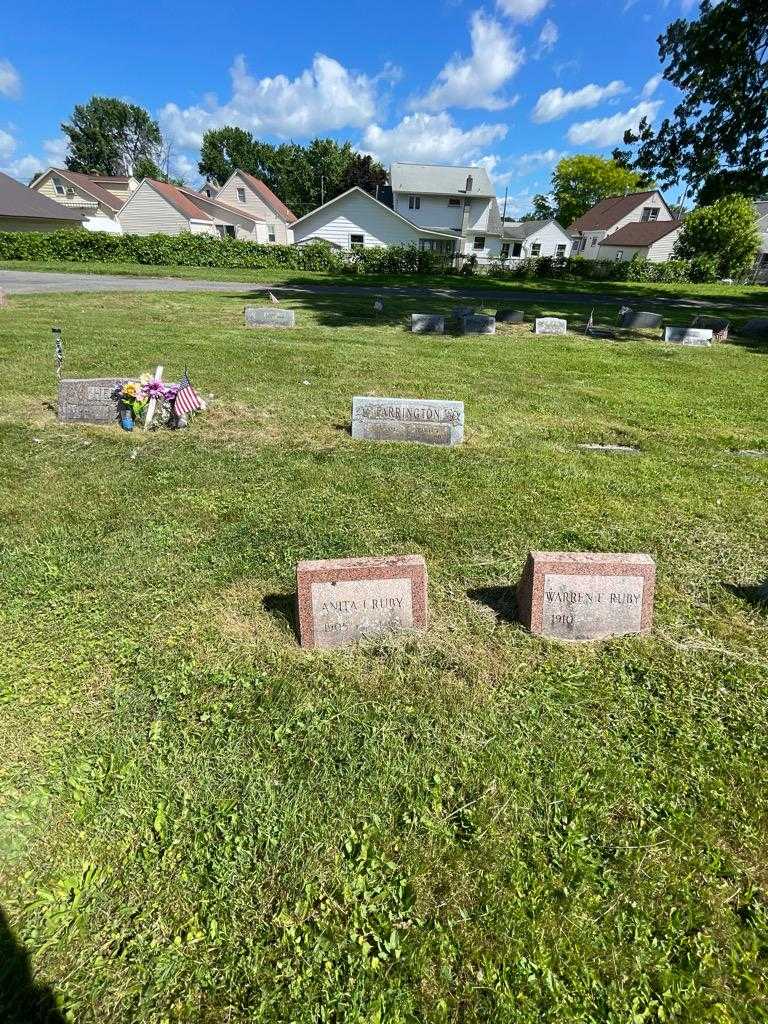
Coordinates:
[110,137]
[302,176]
[717,138]
[723,236]
[578,182]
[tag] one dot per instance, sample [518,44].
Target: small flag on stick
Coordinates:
[187,399]
[273,298]
[56,331]
[590,322]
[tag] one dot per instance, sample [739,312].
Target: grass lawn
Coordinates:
[753,296]
[201,822]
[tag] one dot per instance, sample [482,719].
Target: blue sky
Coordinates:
[511,84]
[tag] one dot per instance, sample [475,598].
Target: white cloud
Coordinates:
[56,150]
[472,81]
[23,167]
[431,138]
[325,97]
[548,37]
[10,80]
[522,10]
[651,86]
[528,162]
[607,130]
[557,103]
[7,145]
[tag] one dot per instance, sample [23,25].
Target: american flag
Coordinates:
[186,399]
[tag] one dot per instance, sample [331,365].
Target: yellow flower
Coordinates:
[130,389]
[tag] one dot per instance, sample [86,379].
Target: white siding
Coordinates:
[148,213]
[255,204]
[611,252]
[549,236]
[356,214]
[433,211]
[658,252]
[244,227]
[661,251]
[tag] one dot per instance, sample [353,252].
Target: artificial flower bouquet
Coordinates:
[134,396]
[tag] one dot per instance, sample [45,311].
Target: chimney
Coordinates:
[469,184]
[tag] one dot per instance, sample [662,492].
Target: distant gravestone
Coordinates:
[510,316]
[635,318]
[550,325]
[344,600]
[429,421]
[269,316]
[696,337]
[585,596]
[756,328]
[476,323]
[88,400]
[427,323]
[459,311]
[716,324]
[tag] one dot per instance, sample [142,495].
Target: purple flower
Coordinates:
[154,389]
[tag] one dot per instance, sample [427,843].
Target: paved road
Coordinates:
[21,282]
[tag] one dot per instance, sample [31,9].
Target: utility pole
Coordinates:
[504,214]
[322,190]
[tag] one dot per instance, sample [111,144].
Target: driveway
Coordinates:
[31,282]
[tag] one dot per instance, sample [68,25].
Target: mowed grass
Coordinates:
[749,298]
[201,822]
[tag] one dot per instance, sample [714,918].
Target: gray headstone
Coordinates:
[635,318]
[429,421]
[269,316]
[716,324]
[550,325]
[510,316]
[695,336]
[427,323]
[88,400]
[476,323]
[459,311]
[756,328]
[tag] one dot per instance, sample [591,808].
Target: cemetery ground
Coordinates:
[200,821]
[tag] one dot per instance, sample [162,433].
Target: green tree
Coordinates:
[225,149]
[146,168]
[717,138]
[578,182]
[542,209]
[109,136]
[365,173]
[723,236]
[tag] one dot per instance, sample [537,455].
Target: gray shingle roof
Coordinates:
[520,230]
[16,200]
[440,180]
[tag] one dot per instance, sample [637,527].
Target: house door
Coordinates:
[517,249]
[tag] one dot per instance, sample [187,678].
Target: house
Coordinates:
[244,190]
[531,238]
[459,200]
[356,220]
[593,228]
[650,240]
[98,196]
[24,209]
[761,268]
[157,207]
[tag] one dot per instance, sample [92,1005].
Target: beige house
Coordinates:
[24,209]
[650,241]
[244,191]
[99,198]
[593,229]
[157,207]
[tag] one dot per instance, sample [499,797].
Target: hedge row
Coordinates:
[184,250]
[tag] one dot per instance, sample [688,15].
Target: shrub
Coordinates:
[723,236]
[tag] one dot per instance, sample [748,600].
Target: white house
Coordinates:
[592,229]
[99,198]
[356,220]
[532,238]
[245,191]
[761,270]
[157,207]
[651,240]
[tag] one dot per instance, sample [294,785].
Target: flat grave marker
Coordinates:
[343,600]
[476,323]
[427,323]
[510,316]
[586,596]
[88,399]
[696,337]
[269,316]
[626,449]
[550,325]
[425,420]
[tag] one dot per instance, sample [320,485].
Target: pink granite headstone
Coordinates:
[586,596]
[343,600]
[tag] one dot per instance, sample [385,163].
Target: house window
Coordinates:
[560,252]
[650,213]
[229,230]
[593,242]
[619,254]
[479,242]
[517,249]
[241,195]
[536,249]
[58,184]
[453,201]
[505,251]
[414,202]
[356,241]
[271,232]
